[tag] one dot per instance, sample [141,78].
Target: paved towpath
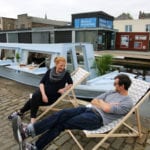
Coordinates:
[13,95]
[125,53]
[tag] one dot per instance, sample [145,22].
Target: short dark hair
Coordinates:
[124,80]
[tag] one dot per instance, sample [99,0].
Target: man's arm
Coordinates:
[106,107]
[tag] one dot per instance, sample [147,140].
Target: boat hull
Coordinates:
[20,76]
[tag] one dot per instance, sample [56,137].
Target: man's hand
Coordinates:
[96,102]
[99,103]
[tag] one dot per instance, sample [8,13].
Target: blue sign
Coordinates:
[85,23]
[104,23]
[77,23]
[109,24]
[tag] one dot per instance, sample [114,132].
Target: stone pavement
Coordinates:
[13,95]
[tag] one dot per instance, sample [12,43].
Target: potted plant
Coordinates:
[17,57]
[103,63]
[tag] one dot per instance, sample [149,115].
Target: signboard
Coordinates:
[85,23]
[104,23]
[124,43]
[140,37]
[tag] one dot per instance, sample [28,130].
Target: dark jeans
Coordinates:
[34,103]
[74,118]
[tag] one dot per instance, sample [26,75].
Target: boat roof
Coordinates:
[47,48]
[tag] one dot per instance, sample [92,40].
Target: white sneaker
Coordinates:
[19,131]
[14,114]
[29,146]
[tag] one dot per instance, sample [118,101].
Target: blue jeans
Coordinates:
[74,118]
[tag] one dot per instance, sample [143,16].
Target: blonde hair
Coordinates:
[58,59]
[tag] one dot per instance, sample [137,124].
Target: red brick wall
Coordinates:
[132,41]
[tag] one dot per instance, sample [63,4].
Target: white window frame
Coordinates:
[147,27]
[128,28]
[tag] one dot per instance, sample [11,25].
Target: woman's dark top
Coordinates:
[51,88]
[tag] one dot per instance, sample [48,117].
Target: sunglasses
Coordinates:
[115,83]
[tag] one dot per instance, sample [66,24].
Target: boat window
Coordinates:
[7,54]
[40,59]
[70,63]
[80,56]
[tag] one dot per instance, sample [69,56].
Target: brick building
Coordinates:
[7,23]
[24,21]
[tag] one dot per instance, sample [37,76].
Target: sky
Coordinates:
[63,9]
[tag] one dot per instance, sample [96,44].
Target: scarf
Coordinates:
[56,77]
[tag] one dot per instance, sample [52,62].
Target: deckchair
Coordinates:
[78,76]
[139,92]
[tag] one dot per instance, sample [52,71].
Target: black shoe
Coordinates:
[14,114]
[19,130]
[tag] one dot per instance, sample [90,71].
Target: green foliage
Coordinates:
[17,57]
[103,63]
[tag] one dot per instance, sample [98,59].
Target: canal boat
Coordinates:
[26,63]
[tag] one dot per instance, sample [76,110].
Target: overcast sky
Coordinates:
[62,9]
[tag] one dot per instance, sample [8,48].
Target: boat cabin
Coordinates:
[26,63]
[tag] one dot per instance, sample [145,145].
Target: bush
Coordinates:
[103,63]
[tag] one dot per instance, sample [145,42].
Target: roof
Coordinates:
[43,48]
[93,14]
[43,20]
[124,16]
[143,15]
[49,21]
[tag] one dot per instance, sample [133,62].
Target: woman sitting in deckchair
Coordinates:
[52,85]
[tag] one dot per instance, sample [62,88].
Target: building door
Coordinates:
[101,41]
[106,40]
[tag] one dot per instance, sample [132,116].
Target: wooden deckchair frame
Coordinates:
[111,133]
[78,76]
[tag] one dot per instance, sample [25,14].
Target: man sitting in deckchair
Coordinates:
[104,109]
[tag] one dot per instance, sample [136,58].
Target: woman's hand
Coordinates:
[45,98]
[62,91]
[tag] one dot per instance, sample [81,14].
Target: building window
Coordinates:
[128,28]
[147,28]
[8,26]
[22,26]
[138,45]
